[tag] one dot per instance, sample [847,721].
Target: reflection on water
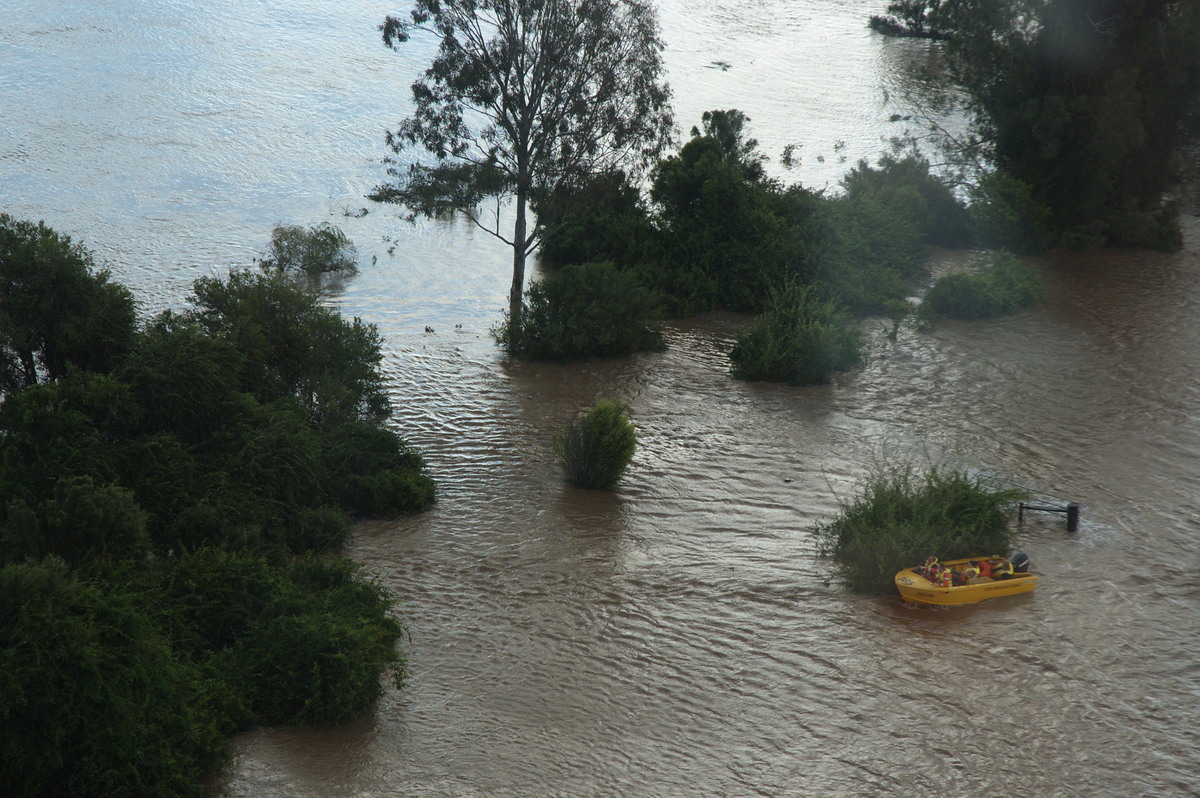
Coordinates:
[678,636]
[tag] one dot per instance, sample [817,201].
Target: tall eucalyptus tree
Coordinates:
[525,98]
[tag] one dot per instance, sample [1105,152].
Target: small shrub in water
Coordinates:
[799,339]
[595,450]
[1005,287]
[902,517]
[315,251]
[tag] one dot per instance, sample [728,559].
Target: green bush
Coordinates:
[718,233]
[86,520]
[728,231]
[870,253]
[583,311]
[595,450]
[604,220]
[308,642]
[906,187]
[312,252]
[800,339]
[318,652]
[93,701]
[58,308]
[291,345]
[1005,215]
[211,598]
[903,517]
[373,472]
[1004,287]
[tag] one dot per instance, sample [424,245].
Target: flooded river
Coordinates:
[679,636]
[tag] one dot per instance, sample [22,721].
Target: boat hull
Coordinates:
[916,588]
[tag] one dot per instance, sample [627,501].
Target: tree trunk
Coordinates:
[30,367]
[518,280]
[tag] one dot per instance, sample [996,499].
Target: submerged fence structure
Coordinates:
[1041,502]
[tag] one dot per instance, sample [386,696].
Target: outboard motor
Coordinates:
[1020,562]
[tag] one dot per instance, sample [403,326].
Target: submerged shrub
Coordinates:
[583,311]
[595,450]
[313,252]
[319,651]
[1004,287]
[94,701]
[907,187]
[800,339]
[903,517]
[1004,214]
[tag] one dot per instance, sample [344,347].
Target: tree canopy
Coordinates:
[1084,104]
[164,491]
[56,307]
[524,98]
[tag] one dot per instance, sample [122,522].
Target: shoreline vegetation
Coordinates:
[175,492]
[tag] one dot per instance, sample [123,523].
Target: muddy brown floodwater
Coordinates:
[680,635]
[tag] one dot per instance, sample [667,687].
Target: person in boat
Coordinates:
[984,568]
[930,569]
[1002,570]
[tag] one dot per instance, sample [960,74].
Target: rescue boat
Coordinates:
[916,585]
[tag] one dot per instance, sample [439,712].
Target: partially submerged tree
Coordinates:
[1086,104]
[911,18]
[321,249]
[524,98]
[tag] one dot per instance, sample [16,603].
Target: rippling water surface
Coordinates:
[678,636]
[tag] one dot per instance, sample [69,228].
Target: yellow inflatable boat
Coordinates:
[966,581]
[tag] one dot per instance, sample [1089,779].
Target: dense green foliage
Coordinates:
[56,307]
[718,233]
[153,502]
[93,699]
[596,448]
[525,100]
[302,644]
[1088,104]
[800,339]
[921,18]
[1005,214]
[902,517]
[909,191]
[583,311]
[291,346]
[1005,286]
[313,252]
[729,233]
[604,219]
